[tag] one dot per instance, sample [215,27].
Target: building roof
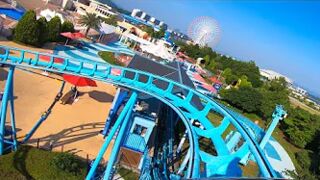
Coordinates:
[274,75]
[173,71]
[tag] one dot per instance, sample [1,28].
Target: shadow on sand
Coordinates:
[70,135]
[100,96]
[3,74]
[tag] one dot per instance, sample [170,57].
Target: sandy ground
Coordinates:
[73,128]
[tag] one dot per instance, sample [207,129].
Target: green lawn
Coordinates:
[127,174]
[32,163]
[250,170]
[109,58]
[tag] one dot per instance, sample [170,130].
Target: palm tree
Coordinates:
[90,20]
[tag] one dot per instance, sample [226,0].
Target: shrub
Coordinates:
[27,29]
[54,29]
[67,162]
[303,159]
[246,98]
[67,26]
[43,28]
[300,126]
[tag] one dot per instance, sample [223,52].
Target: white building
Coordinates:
[270,75]
[137,13]
[49,14]
[298,91]
[96,7]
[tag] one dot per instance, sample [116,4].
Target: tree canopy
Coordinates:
[246,98]
[27,30]
[67,26]
[43,30]
[154,34]
[90,20]
[35,32]
[54,28]
[112,20]
[215,61]
[301,126]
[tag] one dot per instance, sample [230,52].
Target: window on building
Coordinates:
[140,130]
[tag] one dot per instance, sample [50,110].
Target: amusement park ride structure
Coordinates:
[204,30]
[196,163]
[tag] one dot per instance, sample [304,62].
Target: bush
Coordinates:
[246,98]
[54,29]
[300,126]
[67,26]
[27,29]
[67,162]
[303,159]
[43,28]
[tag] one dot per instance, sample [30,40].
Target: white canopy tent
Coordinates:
[49,14]
[126,36]
[107,28]
[159,50]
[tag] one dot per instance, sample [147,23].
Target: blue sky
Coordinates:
[280,35]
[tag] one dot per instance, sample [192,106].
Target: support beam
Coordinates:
[110,136]
[116,147]
[13,119]
[116,103]
[278,114]
[7,94]
[45,115]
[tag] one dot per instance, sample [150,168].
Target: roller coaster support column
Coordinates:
[183,139]
[8,96]
[278,114]
[45,115]
[116,147]
[126,109]
[116,103]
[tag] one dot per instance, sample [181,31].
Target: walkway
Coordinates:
[90,51]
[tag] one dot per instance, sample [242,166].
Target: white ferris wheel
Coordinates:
[204,30]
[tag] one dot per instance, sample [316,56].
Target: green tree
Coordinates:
[54,29]
[303,158]
[226,72]
[112,20]
[27,29]
[148,30]
[67,162]
[67,26]
[207,59]
[244,81]
[273,93]
[159,34]
[90,20]
[300,126]
[246,98]
[43,28]
[301,175]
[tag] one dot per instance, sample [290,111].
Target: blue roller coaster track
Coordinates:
[183,106]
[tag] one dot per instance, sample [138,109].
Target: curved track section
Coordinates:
[183,106]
